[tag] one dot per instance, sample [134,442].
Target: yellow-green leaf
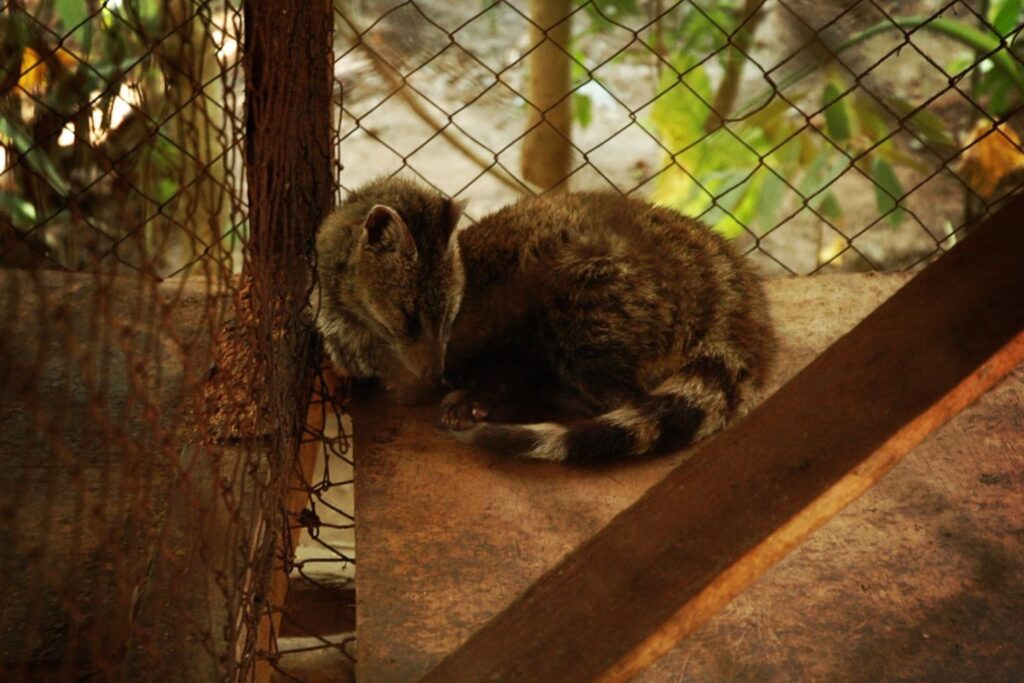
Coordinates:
[887,190]
[837,121]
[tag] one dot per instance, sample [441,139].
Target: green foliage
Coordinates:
[22,213]
[1004,15]
[14,132]
[733,176]
[582,106]
[85,57]
[603,13]
[887,189]
[71,14]
[582,109]
[837,120]
[1002,80]
[735,173]
[757,171]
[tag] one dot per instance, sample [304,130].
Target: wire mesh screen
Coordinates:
[147,534]
[820,135]
[121,136]
[149,501]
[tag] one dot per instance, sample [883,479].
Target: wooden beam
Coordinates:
[300,480]
[287,59]
[747,497]
[315,608]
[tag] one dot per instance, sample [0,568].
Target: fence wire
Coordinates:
[142,536]
[145,543]
[822,136]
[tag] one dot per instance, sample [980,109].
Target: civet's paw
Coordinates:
[460,412]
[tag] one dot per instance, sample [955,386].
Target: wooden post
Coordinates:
[747,497]
[547,151]
[287,58]
[299,478]
[287,62]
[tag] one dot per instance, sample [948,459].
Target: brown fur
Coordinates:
[616,327]
[578,327]
[382,295]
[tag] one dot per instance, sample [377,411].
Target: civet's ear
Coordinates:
[453,209]
[385,229]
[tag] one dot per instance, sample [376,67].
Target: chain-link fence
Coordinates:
[159,519]
[820,135]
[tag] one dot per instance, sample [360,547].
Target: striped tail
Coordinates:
[685,408]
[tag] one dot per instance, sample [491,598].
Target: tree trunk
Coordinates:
[547,148]
[288,59]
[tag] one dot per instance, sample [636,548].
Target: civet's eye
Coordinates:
[412,323]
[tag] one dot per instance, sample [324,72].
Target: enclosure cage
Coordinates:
[177,462]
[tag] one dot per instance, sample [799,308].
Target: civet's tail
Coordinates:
[685,408]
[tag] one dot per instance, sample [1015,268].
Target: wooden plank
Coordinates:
[731,582]
[287,60]
[502,523]
[723,517]
[919,579]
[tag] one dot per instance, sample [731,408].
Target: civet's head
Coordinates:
[382,261]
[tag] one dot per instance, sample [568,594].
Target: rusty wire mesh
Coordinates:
[821,136]
[141,534]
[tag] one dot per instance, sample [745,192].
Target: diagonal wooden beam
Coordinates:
[746,498]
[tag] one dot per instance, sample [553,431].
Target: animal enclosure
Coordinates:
[177,464]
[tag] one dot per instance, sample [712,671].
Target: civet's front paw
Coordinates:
[459,411]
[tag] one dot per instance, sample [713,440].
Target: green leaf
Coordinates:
[887,190]
[828,165]
[957,65]
[743,201]
[615,10]
[72,13]
[75,15]
[773,192]
[728,227]
[34,157]
[679,113]
[828,206]
[151,12]
[982,42]
[995,85]
[22,213]
[1003,15]
[923,122]
[582,109]
[166,188]
[870,116]
[837,122]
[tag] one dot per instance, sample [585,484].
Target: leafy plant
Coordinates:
[765,164]
[93,123]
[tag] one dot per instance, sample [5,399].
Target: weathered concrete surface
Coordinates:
[921,579]
[107,517]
